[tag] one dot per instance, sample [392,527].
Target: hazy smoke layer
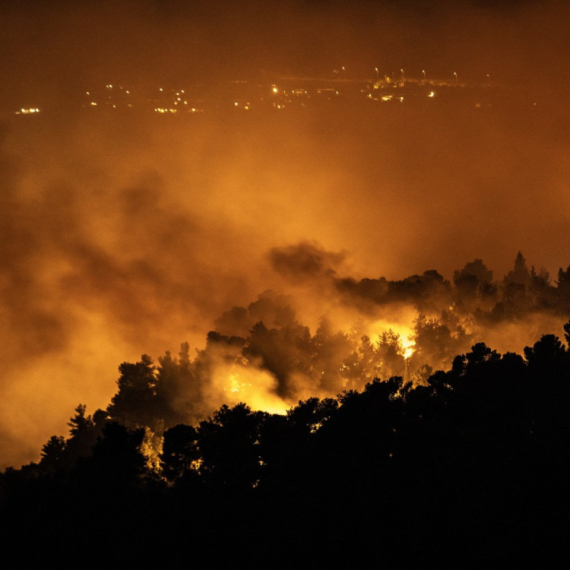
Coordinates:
[123,235]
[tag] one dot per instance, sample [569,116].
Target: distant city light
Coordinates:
[279,96]
[28,111]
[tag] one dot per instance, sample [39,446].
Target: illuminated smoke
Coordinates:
[130,235]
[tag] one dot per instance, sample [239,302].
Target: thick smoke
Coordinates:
[264,355]
[122,235]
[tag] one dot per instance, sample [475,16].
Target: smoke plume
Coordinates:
[124,234]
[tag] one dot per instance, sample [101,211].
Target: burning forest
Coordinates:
[338,236]
[263,356]
[461,452]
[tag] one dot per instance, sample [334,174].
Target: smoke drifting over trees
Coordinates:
[262,354]
[128,234]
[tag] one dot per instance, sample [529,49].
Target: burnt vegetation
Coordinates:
[464,465]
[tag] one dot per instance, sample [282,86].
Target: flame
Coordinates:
[233,384]
[408,345]
[405,334]
[151,448]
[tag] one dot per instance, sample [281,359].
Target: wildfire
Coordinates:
[151,448]
[251,385]
[408,345]
[404,333]
[235,385]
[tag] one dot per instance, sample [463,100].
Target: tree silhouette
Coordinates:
[520,274]
[117,460]
[53,454]
[180,454]
[83,433]
[134,404]
[229,447]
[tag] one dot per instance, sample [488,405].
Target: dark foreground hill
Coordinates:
[470,470]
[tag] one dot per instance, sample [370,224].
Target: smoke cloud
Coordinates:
[128,234]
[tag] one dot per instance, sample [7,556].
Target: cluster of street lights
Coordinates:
[424,76]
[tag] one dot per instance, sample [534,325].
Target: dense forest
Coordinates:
[401,464]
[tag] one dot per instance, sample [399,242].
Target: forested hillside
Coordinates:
[470,467]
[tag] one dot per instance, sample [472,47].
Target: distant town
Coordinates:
[279,94]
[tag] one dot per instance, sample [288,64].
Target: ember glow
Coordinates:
[164,166]
[408,346]
[247,384]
